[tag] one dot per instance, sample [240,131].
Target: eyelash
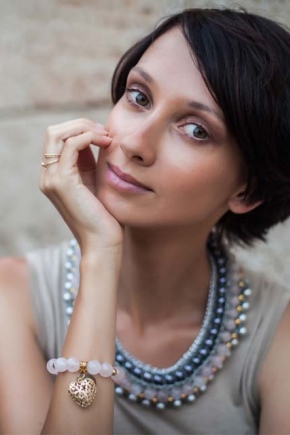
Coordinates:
[130,100]
[129,90]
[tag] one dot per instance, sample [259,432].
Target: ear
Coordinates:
[239,205]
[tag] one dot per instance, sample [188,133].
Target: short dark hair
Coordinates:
[245,61]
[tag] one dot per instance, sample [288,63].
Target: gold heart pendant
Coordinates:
[83,390]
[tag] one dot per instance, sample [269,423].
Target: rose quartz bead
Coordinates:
[234,301]
[223,350]
[230,324]
[217,361]
[51,367]
[106,370]
[149,393]
[136,389]
[94,367]
[176,393]
[206,371]
[199,382]
[187,389]
[61,364]
[226,336]
[73,364]
[120,374]
[162,395]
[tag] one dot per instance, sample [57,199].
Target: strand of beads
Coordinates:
[93,367]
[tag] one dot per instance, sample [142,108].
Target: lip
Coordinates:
[125,182]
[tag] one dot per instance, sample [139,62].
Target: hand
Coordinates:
[69,183]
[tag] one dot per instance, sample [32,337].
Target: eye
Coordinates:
[196,131]
[137,97]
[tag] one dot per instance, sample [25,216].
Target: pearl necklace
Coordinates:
[188,378]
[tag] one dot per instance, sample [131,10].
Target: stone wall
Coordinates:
[57,58]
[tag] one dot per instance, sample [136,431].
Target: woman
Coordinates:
[195,155]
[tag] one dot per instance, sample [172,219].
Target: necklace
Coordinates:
[221,330]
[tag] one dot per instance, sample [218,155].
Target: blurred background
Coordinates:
[57,58]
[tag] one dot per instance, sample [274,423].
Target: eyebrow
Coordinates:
[193,104]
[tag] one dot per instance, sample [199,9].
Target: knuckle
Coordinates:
[50,132]
[89,135]
[70,142]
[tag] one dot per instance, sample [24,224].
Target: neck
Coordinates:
[164,275]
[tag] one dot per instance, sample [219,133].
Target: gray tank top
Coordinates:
[231,402]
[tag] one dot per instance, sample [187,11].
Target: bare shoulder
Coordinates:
[274,381]
[12,270]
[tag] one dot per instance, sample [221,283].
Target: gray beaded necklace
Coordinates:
[187,379]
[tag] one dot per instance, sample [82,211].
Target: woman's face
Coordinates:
[169,135]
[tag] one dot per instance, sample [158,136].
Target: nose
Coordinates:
[140,141]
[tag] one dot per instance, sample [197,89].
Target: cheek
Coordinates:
[200,180]
[117,121]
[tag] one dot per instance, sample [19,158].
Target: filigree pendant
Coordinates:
[83,390]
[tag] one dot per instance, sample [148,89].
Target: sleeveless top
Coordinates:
[231,402]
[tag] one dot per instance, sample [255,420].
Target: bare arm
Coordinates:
[25,386]
[70,185]
[32,403]
[91,335]
[274,383]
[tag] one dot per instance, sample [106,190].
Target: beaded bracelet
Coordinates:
[83,390]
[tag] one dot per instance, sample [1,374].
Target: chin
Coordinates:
[126,213]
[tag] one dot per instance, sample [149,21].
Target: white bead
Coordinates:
[61,364]
[51,367]
[119,390]
[243,330]
[69,310]
[246,305]
[94,367]
[73,364]
[145,403]
[132,397]
[191,398]
[248,292]
[243,317]
[106,370]
[120,374]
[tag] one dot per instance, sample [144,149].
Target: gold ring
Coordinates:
[51,162]
[51,156]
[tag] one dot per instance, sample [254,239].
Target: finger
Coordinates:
[57,134]
[74,145]
[61,132]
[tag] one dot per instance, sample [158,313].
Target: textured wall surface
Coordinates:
[57,58]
